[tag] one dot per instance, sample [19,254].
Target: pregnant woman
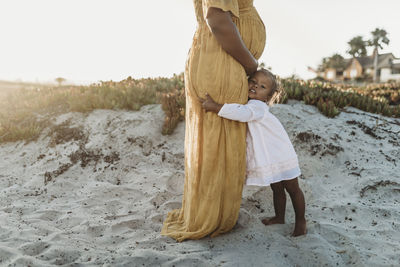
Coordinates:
[229,39]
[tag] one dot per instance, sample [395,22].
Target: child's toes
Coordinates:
[273,220]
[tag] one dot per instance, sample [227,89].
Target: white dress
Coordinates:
[270,154]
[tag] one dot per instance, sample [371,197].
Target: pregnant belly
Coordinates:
[211,70]
[252,30]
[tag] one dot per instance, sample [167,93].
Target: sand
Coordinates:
[94,190]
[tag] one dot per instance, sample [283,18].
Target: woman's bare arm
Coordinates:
[227,34]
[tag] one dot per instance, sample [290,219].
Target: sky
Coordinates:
[87,41]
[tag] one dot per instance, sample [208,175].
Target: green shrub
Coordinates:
[24,111]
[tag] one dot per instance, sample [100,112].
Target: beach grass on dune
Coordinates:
[26,111]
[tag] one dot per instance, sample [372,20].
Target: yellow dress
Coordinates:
[215,159]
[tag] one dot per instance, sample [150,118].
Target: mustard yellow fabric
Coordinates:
[215,148]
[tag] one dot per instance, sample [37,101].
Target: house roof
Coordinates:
[384,60]
[368,61]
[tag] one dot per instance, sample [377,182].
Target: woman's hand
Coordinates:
[251,68]
[209,104]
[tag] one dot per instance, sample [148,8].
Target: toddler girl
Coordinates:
[271,159]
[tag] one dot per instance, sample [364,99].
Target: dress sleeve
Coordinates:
[225,5]
[252,111]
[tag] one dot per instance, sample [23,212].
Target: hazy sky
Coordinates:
[91,40]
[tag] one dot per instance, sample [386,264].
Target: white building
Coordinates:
[388,67]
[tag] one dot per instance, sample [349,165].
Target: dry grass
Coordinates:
[26,109]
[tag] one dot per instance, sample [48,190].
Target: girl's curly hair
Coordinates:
[277,90]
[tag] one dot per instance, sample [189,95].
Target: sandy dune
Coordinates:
[93,190]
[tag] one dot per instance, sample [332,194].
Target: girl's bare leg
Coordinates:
[297,197]
[279,195]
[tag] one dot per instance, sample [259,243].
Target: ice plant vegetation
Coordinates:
[26,111]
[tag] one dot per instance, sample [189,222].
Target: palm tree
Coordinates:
[60,80]
[379,37]
[357,47]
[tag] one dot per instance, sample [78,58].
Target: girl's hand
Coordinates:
[209,104]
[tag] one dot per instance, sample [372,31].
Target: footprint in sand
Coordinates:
[69,222]
[175,183]
[172,205]
[257,202]
[147,257]
[60,256]
[341,243]
[126,225]
[23,261]
[33,249]
[145,143]
[185,261]
[157,219]
[96,230]
[161,198]
[244,219]
[156,222]
[6,181]
[115,217]
[6,255]
[4,233]
[49,215]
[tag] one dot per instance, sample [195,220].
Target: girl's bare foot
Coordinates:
[300,228]
[273,220]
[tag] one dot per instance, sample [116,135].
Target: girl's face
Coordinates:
[260,86]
